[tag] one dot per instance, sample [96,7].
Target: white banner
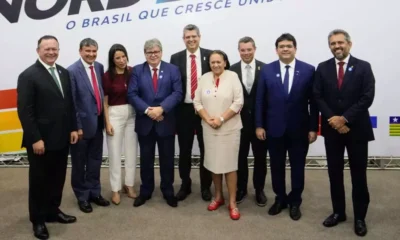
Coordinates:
[373,26]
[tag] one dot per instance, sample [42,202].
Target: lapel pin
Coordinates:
[278,75]
[258,68]
[59,71]
[350,68]
[204,58]
[160,76]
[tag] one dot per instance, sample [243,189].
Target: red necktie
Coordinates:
[341,74]
[193,76]
[96,90]
[155,78]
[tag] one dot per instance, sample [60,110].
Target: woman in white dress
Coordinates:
[218,100]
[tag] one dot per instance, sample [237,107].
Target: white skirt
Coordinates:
[221,152]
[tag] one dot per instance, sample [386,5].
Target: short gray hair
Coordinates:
[191,27]
[246,40]
[88,42]
[340,31]
[149,44]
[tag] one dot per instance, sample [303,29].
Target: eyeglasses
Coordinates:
[152,53]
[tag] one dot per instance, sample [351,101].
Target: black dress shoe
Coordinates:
[40,231]
[172,201]
[85,206]
[360,228]
[295,213]
[240,196]
[140,200]
[276,208]
[261,199]
[61,218]
[100,201]
[334,219]
[206,195]
[183,193]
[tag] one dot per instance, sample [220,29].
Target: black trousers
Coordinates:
[46,182]
[248,135]
[189,125]
[166,150]
[358,158]
[297,147]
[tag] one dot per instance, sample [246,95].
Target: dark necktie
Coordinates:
[340,74]
[286,80]
[155,79]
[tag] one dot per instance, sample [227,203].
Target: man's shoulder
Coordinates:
[74,66]
[178,54]
[258,62]
[235,66]
[205,51]
[304,65]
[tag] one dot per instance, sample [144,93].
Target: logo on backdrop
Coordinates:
[33,10]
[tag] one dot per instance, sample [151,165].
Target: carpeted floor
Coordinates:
[191,220]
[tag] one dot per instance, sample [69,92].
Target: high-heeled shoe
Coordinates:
[116,198]
[130,191]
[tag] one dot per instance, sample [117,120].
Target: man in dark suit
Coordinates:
[344,89]
[193,62]
[155,89]
[47,116]
[88,97]
[248,70]
[290,122]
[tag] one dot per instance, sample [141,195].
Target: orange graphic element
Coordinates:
[9,121]
[8,98]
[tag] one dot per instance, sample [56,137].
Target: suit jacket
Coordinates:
[247,112]
[179,59]
[84,98]
[141,95]
[45,114]
[296,114]
[351,101]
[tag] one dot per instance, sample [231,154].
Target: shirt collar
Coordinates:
[196,53]
[47,66]
[158,67]
[85,64]
[292,64]
[252,63]
[346,60]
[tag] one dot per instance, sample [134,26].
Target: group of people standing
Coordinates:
[272,107]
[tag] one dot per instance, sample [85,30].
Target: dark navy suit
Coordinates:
[287,121]
[141,95]
[86,155]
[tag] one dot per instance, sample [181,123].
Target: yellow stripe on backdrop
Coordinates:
[10,142]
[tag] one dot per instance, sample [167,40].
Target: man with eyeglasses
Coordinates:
[155,89]
[193,62]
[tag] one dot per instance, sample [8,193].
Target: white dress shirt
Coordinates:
[55,72]
[346,61]
[88,72]
[291,72]
[244,72]
[188,96]
[158,70]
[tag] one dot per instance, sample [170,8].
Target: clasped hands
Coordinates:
[155,113]
[338,123]
[214,122]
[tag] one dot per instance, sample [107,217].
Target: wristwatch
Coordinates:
[222,119]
